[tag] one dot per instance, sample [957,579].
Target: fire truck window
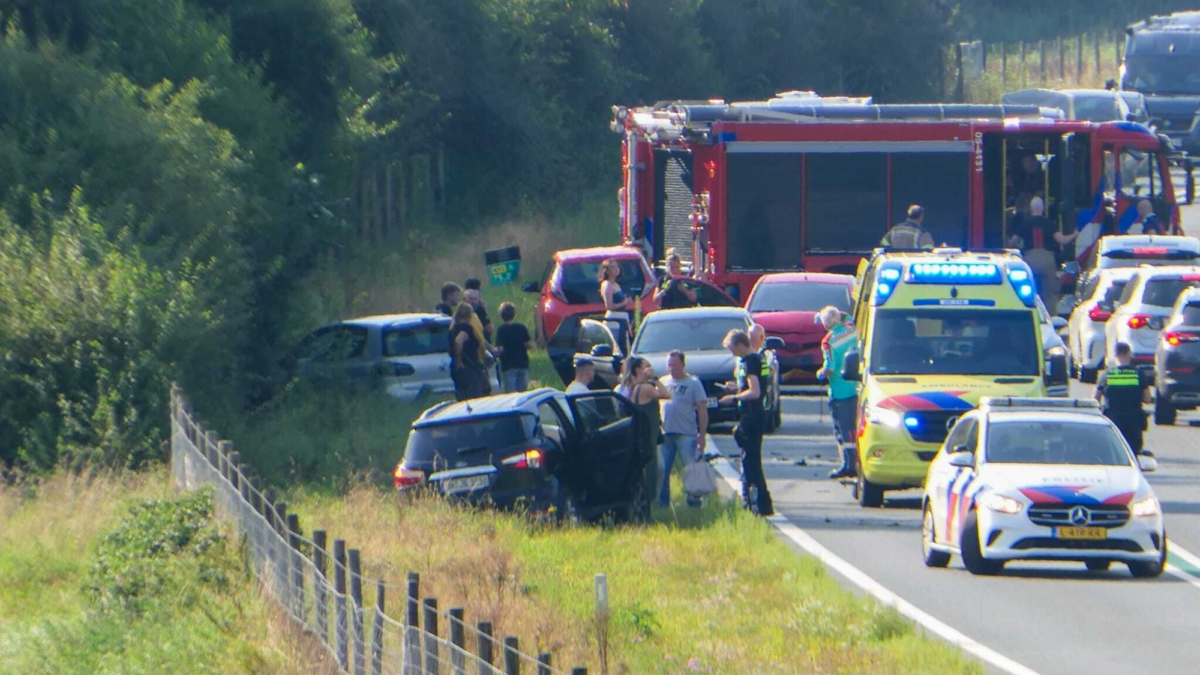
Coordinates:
[1140,175]
[1110,175]
[847,201]
[763,212]
[939,182]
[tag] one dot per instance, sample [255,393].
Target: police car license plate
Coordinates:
[712,402]
[1081,533]
[468,484]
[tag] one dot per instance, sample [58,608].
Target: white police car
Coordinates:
[1040,479]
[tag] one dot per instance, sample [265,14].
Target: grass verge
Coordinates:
[707,590]
[61,569]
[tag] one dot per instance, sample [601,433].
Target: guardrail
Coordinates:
[321,590]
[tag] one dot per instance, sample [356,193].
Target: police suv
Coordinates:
[1041,479]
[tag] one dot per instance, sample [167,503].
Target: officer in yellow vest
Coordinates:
[1122,389]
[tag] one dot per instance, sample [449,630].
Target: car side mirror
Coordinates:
[852,368]
[962,458]
[530,287]
[1147,463]
[1058,322]
[602,351]
[774,343]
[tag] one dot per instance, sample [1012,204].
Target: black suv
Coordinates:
[1177,360]
[578,457]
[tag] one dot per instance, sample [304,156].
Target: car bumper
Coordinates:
[891,459]
[1014,537]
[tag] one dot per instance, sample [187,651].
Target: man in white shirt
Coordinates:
[684,421]
[585,370]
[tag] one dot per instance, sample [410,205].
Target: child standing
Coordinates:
[513,340]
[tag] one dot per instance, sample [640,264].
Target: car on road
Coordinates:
[1143,308]
[1123,251]
[698,333]
[786,305]
[1177,360]
[1041,479]
[1094,105]
[403,355]
[542,452]
[1085,328]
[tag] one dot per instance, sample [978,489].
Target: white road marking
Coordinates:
[865,582]
[1187,556]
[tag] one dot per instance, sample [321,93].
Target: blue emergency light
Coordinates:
[1022,282]
[956,273]
[889,276]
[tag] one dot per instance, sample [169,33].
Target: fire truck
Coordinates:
[743,189]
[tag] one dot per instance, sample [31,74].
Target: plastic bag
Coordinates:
[699,479]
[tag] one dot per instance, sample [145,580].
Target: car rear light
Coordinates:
[405,478]
[1181,371]
[530,459]
[1139,321]
[1175,338]
[1191,277]
[1149,252]
[1098,313]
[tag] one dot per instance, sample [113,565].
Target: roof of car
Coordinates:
[598,253]
[1167,270]
[802,277]
[692,313]
[1021,415]
[1118,273]
[1135,240]
[500,404]
[388,320]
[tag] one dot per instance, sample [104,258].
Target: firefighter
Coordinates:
[911,233]
[1122,390]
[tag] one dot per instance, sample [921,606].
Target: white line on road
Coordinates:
[1187,556]
[865,582]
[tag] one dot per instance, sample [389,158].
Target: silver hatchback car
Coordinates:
[403,355]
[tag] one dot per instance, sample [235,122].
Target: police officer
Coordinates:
[1122,390]
[910,234]
[752,420]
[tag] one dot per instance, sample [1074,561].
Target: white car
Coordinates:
[1128,250]
[1085,329]
[1041,479]
[1142,308]
[1058,361]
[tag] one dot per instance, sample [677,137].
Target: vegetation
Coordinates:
[89,586]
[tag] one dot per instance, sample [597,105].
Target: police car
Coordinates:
[1041,479]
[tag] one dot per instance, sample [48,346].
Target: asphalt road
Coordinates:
[1053,618]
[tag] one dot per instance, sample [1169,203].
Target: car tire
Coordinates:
[1098,565]
[1164,411]
[869,494]
[972,553]
[933,558]
[1088,375]
[1149,570]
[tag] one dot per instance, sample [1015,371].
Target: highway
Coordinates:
[1051,618]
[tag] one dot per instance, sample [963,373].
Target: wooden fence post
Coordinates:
[223,450]
[283,556]
[211,438]
[1004,64]
[1024,78]
[377,630]
[544,664]
[319,581]
[235,472]
[339,587]
[431,633]
[412,621]
[281,518]
[458,662]
[512,655]
[1096,44]
[1062,58]
[356,608]
[1079,59]
[483,637]
[293,525]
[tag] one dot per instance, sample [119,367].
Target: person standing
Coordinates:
[617,307]
[910,234]
[473,295]
[840,339]
[751,421]
[671,293]
[1122,390]
[585,372]
[514,343]
[466,356]
[645,391]
[451,296]
[684,422]
[1032,234]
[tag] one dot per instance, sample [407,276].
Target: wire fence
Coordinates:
[979,72]
[321,588]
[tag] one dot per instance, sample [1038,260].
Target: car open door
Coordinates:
[608,456]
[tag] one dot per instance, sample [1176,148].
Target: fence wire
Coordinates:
[318,597]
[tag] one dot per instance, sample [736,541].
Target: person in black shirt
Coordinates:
[752,421]
[466,356]
[451,296]
[671,293]
[514,342]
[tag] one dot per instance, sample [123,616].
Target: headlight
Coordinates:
[1058,350]
[1147,507]
[888,418]
[1001,504]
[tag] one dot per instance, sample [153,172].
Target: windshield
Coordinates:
[800,297]
[448,446]
[1164,292]
[687,335]
[1098,108]
[1050,442]
[954,342]
[1163,74]
[1113,292]
[581,281]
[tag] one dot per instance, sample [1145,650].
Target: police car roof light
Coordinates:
[1077,404]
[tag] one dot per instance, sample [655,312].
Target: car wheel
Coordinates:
[933,558]
[972,552]
[869,494]
[1164,411]
[1087,375]
[1149,570]
[1098,565]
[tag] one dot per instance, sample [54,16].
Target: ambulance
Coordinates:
[938,330]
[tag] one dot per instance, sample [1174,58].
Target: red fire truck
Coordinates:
[743,189]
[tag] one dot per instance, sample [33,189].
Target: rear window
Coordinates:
[800,297]
[1164,292]
[581,282]
[417,340]
[1190,315]
[446,446]
[1113,292]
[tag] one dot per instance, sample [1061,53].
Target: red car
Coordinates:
[786,305]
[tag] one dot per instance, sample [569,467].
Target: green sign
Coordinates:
[504,272]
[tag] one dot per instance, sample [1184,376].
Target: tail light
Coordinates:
[530,459]
[1175,338]
[1139,321]
[405,478]
[1098,313]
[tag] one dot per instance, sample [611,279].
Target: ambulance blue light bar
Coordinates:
[956,273]
[1022,282]
[889,276]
